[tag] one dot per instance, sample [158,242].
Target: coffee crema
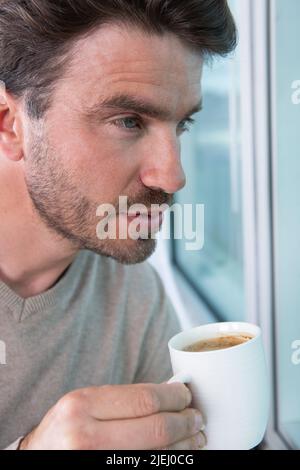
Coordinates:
[220,342]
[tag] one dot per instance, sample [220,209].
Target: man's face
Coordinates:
[86,153]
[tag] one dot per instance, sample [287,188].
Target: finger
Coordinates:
[134,401]
[196,442]
[147,433]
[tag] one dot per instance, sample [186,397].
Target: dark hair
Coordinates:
[36,35]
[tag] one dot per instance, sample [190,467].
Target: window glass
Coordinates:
[212,162]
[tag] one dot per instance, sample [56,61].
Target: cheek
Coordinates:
[102,167]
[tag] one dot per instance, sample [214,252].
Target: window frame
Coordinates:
[275,433]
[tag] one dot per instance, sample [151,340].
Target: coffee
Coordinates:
[220,342]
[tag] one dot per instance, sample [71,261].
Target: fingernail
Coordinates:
[200,441]
[199,423]
[188,396]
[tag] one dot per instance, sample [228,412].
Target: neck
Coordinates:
[32,258]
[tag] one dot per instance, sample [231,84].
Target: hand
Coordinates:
[140,416]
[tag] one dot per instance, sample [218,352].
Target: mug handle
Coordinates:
[182,377]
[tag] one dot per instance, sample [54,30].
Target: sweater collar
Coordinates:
[21,308]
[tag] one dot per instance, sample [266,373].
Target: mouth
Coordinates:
[147,218]
[147,221]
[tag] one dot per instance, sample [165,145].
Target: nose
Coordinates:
[162,168]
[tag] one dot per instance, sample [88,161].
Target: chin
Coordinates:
[127,252]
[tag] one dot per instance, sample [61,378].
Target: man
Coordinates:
[96,97]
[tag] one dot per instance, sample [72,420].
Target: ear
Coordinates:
[11,138]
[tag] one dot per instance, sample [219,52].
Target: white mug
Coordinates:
[229,386]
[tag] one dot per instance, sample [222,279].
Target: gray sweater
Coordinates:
[102,323]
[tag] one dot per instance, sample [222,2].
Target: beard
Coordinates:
[71,215]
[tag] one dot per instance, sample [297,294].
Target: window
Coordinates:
[212,162]
[249,183]
[286,122]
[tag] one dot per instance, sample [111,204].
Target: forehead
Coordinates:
[119,59]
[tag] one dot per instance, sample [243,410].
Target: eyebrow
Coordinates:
[123,102]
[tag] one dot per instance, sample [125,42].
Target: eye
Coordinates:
[128,123]
[185,125]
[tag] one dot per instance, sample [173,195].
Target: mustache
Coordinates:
[151,197]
